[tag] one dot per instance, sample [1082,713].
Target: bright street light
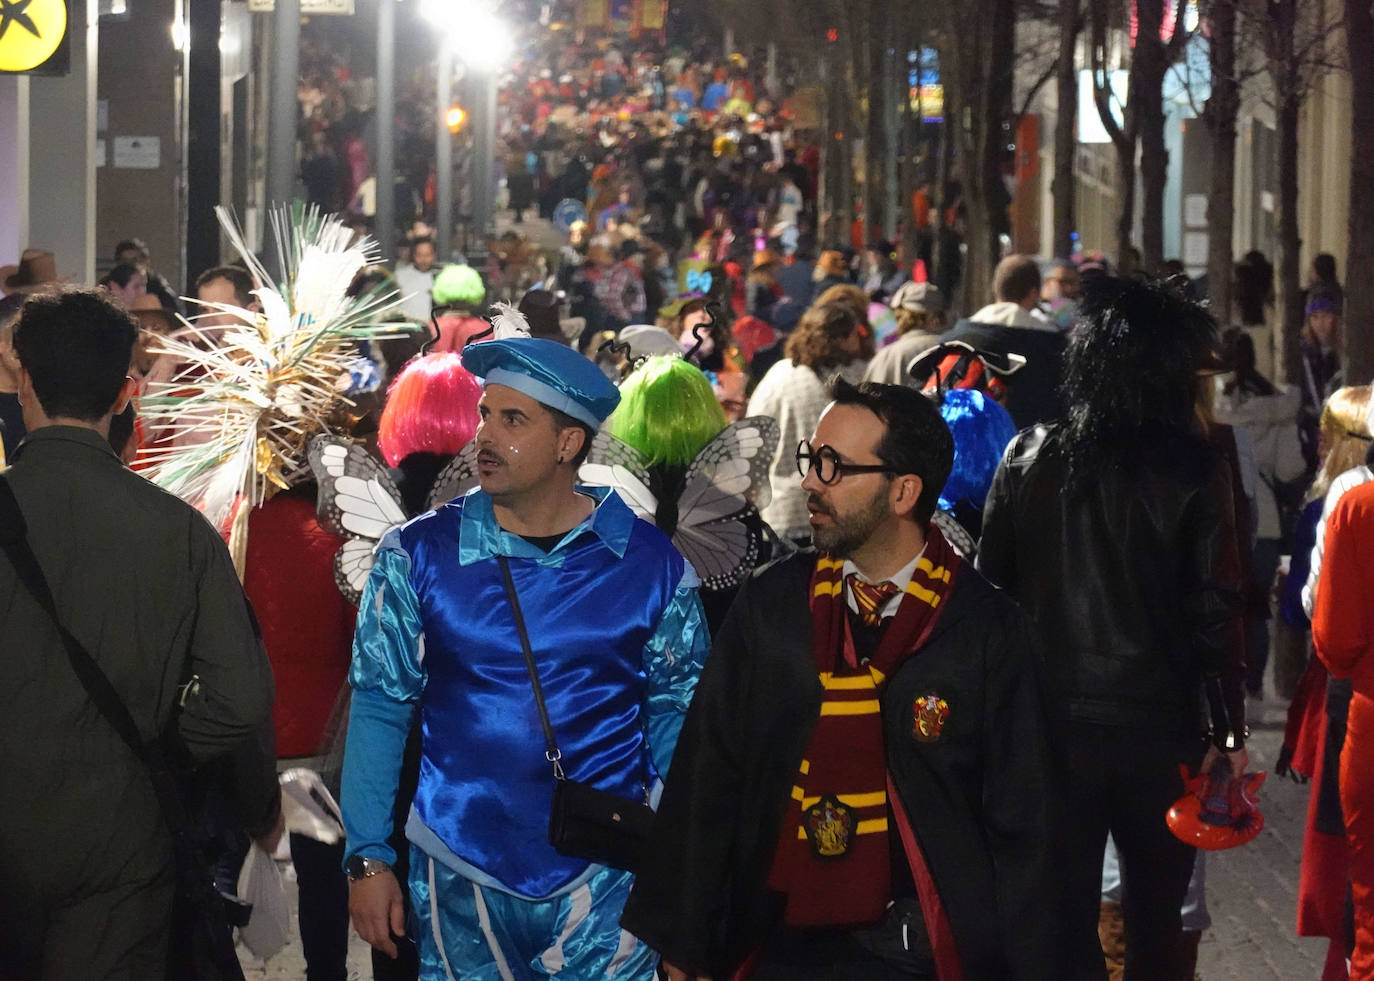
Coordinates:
[472,32]
[475,34]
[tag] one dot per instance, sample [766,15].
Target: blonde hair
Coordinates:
[919,320]
[1343,424]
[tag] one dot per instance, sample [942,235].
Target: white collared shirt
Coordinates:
[901,579]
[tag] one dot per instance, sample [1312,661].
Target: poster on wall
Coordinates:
[34,37]
[138,152]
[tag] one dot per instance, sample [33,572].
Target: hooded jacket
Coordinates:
[1006,328]
[1271,421]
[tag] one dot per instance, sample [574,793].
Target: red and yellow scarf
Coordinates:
[833,858]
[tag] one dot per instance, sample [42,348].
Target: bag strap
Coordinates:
[15,543]
[552,753]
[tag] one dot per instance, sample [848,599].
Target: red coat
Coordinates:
[307,625]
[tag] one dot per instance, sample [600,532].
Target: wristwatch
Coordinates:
[358,867]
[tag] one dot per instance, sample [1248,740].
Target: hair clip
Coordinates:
[612,346]
[433,328]
[691,355]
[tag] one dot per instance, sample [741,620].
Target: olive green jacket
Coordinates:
[147,586]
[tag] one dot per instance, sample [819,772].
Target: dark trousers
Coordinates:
[1124,781]
[323,906]
[1264,559]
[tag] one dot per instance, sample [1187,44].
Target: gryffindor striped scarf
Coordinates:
[833,860]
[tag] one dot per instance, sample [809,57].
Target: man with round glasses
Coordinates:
[861,785]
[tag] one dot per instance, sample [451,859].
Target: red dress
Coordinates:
[307,625]
[1343,635]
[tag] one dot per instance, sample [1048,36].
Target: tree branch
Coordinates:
[1034,90]
[1101,83]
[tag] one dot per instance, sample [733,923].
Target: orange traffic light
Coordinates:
[455,118]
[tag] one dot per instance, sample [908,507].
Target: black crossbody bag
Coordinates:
[584,822]
[202,917]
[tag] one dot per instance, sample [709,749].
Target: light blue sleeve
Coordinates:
[673,658]
[387,679]
[388,644]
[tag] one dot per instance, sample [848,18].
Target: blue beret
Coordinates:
[552,374]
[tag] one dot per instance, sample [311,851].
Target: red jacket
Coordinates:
[307,625]
[1342,623]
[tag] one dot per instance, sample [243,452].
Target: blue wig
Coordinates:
[982,429]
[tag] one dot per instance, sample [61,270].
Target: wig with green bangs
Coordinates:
[667,411]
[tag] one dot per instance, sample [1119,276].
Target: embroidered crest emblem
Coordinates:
[929,713]
[829,827]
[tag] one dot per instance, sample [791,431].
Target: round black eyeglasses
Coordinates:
[827,465]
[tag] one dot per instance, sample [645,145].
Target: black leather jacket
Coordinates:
[1134,582]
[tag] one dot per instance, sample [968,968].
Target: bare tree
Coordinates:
[981,62]
[1359,296]
[1070,23]
[1124,135]
[1148,65]
[1294,36]
[1219,116]
[1142,126]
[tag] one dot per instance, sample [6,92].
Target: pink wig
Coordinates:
[430,408]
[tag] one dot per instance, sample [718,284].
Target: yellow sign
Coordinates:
[30,32]
[930,101]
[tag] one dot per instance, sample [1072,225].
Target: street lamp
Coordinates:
[477,36]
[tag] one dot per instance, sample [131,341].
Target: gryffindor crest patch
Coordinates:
[829,827]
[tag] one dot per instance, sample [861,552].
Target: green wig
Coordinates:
[668,411]
[458,285]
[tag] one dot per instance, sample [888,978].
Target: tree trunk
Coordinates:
[1148,66]
[1125,189]
[1359,296]
[908,150]
[988,200]
[1288,282]
[1219,116]
[892,141]
[832,149]
[874,98]
[1066,118]
[1123,135]
[1285,70]
[945,134]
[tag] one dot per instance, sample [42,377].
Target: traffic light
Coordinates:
[455,118]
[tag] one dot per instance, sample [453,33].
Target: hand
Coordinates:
[269,841]
[678,974]
[375,905]
[1238,761]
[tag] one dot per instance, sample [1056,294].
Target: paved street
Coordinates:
[1251,891]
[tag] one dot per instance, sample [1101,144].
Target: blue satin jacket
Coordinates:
[618,640]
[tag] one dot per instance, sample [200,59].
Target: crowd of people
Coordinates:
[901,622]
[601,501]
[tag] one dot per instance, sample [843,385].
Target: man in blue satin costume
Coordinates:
[618,641]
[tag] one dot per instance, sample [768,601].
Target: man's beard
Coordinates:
[845,535]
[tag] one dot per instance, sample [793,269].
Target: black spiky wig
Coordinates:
[1130,373]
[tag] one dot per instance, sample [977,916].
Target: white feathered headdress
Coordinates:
[236,418]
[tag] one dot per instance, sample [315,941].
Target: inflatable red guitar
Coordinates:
[1217,810]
